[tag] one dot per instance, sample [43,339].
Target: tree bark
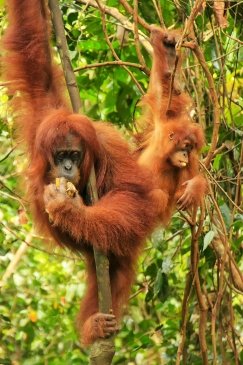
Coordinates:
[102,351]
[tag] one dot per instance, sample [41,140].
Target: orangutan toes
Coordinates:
[104,325]
[99,325]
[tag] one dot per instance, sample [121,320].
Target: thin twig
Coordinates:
[130,10]
[136,38]
[203,165]
[7,154]
[184,316]
[14,261]
[214,97]
[233,38]
[112,48]
[238,187]
[109,63]
[121,19]
[157,6]
[203,307]
[52,253]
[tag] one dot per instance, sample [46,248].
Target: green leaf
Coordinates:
[167,265]
[226,213]
[151,270]
[161,286]
[208,239]
[216,161]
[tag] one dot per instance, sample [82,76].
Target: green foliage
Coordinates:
[40,299]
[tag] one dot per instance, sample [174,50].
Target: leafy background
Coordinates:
[40,294]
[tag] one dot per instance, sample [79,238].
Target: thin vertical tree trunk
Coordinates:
[102,351]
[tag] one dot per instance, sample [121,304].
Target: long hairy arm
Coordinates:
[27,64]
[118,223]
[28,57]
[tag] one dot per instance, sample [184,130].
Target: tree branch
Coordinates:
[121,19]
[102,12]
[102,351]
[109,63]
[130,10]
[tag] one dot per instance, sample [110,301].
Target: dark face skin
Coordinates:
[67,160]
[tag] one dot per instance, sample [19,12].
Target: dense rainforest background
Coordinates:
[187,304]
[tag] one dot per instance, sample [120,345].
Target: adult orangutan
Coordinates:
[65,145]
[170,141]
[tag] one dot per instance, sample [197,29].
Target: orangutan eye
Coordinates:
[60,156]
[75,155]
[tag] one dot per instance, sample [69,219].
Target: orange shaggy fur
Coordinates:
[165,130]
[124,215]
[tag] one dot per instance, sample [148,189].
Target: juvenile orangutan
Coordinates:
[170,141]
